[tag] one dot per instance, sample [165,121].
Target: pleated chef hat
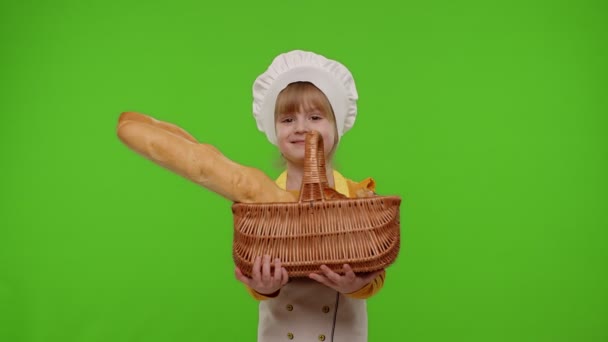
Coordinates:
[331,77]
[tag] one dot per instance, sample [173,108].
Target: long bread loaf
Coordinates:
[176,150]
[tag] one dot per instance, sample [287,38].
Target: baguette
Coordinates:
[176,150]
[133,116]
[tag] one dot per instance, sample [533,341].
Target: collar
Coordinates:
[341,185]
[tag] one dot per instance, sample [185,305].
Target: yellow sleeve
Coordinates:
[259,296]
[370,289]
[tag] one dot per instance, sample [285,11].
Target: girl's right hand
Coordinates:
[262,280]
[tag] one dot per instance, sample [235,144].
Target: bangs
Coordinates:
[302,96]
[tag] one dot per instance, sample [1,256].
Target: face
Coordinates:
[291,133]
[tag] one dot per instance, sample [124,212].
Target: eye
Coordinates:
[286,119]
[316,117]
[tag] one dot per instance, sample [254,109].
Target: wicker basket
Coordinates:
[319,229]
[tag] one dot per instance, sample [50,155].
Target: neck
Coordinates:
[295,173]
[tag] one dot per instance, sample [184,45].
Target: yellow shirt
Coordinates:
[350,189]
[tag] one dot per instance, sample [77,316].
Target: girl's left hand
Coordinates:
[348,283]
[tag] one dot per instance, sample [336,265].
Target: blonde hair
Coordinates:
[305,96]
[302,95]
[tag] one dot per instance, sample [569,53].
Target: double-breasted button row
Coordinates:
[325,308]
[321,337]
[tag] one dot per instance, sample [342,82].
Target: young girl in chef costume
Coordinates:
[300,92]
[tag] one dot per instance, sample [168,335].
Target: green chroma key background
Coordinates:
[488,118]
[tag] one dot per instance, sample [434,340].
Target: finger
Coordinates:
[348,272]
[256,269]
[266,269]
[278,271]
[331,275]
[285,277]
[321,279]
[241,277]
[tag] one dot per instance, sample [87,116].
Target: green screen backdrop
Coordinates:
[490,119]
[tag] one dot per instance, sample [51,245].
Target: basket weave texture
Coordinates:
[322,228]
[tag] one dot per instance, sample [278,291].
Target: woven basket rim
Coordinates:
[386,251]
[325,234]
[347,201]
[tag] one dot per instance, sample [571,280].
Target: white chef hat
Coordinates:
[331,77]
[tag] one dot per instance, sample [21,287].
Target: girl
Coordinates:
[300,92]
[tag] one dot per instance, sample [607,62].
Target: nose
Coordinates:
[302,126]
